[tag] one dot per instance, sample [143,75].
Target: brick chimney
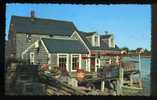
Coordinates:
[32,15]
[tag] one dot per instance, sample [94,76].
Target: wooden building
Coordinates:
[59,43]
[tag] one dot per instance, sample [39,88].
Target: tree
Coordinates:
[146,50]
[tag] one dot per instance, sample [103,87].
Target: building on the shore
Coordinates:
[140,50]
[59,43]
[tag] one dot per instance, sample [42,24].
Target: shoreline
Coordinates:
[144,56]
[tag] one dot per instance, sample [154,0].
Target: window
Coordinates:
[75,62]
[62,61]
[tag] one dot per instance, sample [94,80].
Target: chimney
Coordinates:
[32,15]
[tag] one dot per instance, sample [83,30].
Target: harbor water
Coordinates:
[145,72]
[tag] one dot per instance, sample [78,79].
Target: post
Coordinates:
[140,77]
[117,59]
[120,81]
[139,57]
[110,61]
[131,80]
[102,85]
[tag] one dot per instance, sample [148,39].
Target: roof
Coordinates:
[105,48]
[42,26]
[105,36]
[54,27]
[138,49]
[82,35]
[87,33]
[64,46]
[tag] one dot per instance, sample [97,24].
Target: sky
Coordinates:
[130,24]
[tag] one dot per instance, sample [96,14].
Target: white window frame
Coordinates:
[78,55]
[97,63]
[95,40]
[87,63]
[67,59]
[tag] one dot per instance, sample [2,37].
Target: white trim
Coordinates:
[44,46]
[37,44]
[89,63]
[75,32]
[62,37]
[93,40]
[70,62]
[67,66]
[96,43]
[46,50]
[97,64]
[32,59]
[80,61]
[99,40]
[57,59]
[27,49]
[67,60]
[79,55]
[49,61]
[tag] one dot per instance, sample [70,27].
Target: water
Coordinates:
[145,72]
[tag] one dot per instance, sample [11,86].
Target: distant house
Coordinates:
[140,50]
[55,42]
[124,52]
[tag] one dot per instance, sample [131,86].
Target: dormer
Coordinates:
[93,39]
[107,40]
[96,40]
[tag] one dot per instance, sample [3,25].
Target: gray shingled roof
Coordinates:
[82,35]
[64,46]
[55,27]
[105,36]
[88,33]
[43,26]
